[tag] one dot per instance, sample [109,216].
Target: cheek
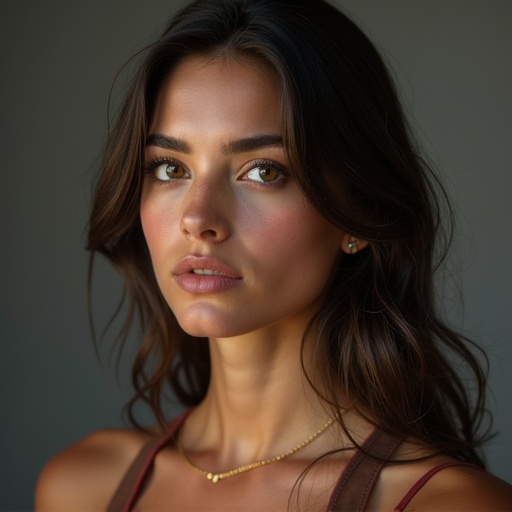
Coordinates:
[157,228]
[295,233]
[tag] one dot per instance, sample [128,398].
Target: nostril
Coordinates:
[205,211]
[205,228]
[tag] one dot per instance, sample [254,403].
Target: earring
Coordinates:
[352,246]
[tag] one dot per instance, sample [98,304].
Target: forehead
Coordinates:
[202,93]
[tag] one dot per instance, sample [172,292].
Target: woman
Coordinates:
[275,227]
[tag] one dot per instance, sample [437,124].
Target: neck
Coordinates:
[259,402]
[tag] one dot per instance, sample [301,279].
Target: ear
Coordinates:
[350,244]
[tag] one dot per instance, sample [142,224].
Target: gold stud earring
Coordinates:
[352,246]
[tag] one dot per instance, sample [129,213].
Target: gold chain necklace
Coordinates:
[215,477]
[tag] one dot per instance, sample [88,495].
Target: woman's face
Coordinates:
[235,245]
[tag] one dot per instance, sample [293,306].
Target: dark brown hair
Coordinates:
[378,336]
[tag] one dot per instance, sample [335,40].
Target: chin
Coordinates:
[210,331]
[217,325]
[206,326]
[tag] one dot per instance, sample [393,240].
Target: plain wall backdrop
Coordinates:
[59,57]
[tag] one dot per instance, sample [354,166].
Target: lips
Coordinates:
[204,274]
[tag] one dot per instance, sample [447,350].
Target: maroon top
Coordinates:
[351,492]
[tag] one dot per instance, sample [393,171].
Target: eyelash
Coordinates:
[283,173]
[152,166]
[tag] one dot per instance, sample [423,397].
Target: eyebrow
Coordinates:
[166,142]
[241,145]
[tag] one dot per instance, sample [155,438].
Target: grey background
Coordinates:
[453,60]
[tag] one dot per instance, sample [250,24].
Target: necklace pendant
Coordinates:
[215,477]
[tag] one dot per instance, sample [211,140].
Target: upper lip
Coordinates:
[204,262]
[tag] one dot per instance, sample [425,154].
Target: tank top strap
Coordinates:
[426,477]
[134,478]
[357,480]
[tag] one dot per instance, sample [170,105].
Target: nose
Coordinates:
[205,212]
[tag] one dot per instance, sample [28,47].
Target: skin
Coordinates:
[222,208]
[280,255]
[273,239]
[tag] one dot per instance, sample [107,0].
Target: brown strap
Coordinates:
[355,484]
[134,478]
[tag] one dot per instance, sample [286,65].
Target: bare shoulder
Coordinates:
[463,489]
[85,475]
[428,484]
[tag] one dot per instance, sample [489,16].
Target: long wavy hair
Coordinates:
[378,336]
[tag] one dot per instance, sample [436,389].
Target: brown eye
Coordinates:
[166,172]
[269,173]
[264,173]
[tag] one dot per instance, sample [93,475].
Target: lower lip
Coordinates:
[200,283]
